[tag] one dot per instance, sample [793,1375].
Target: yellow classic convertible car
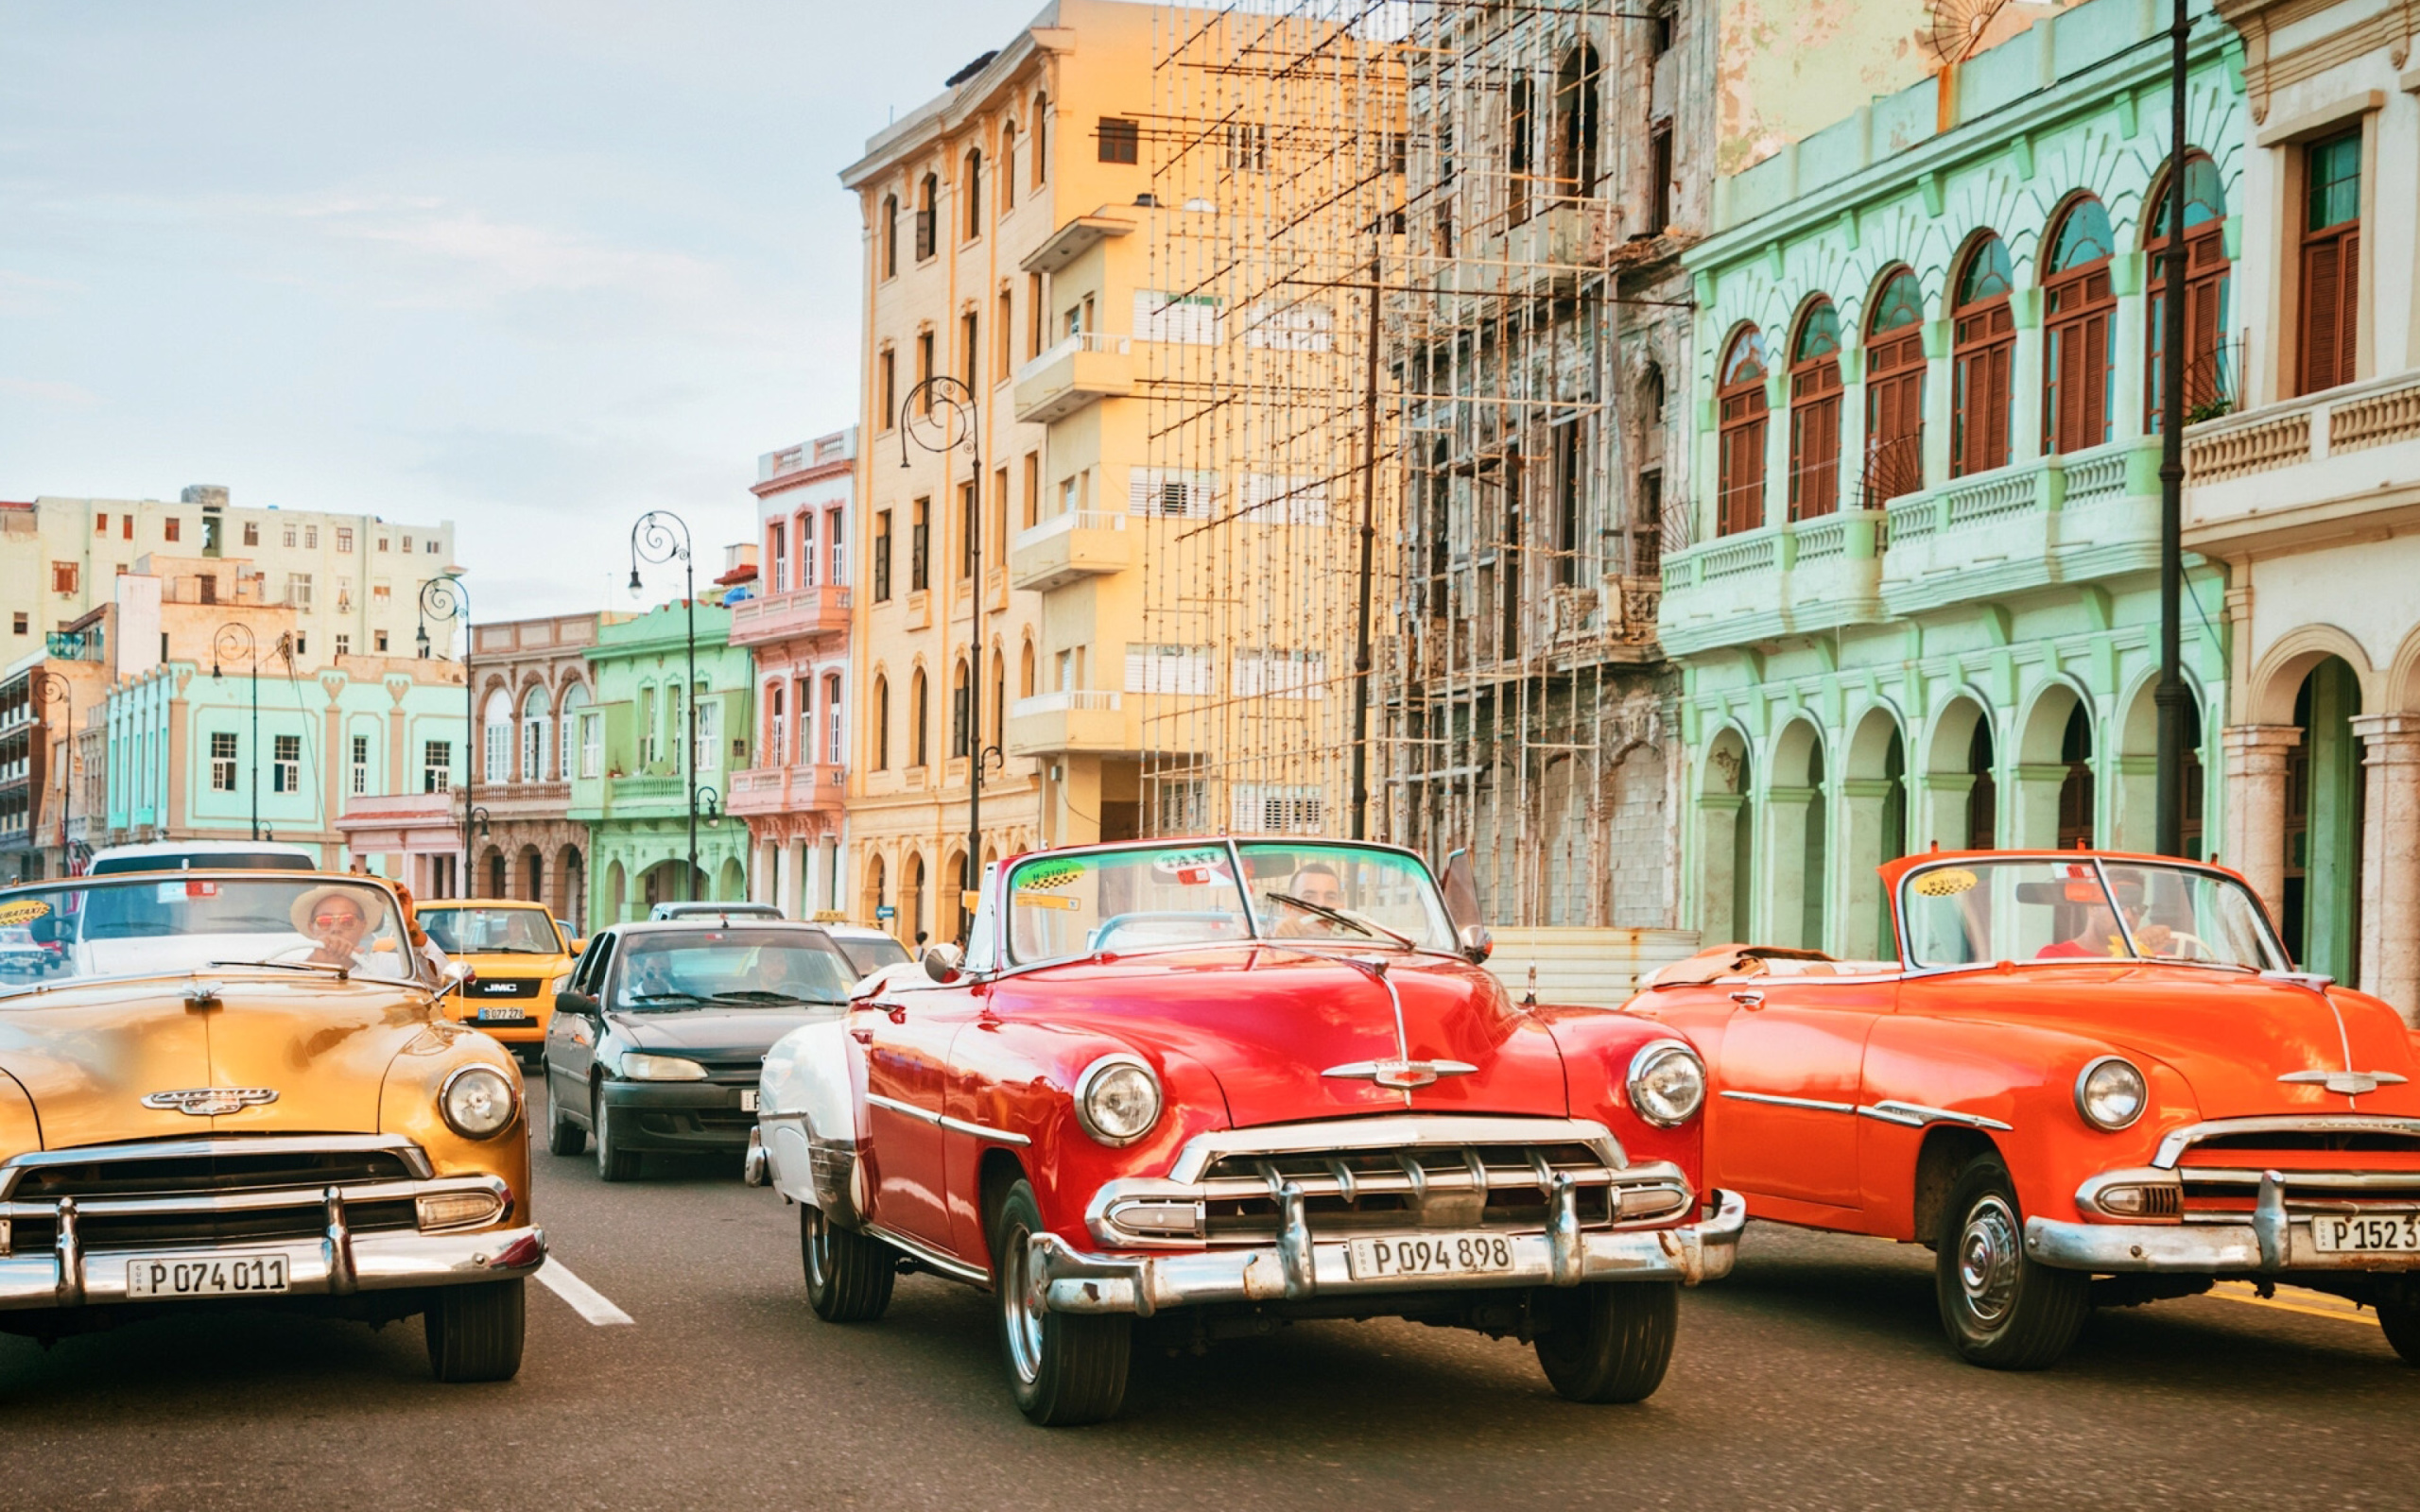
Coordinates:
[516,955]
[224,1087]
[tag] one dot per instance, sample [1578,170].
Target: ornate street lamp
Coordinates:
[53,687]
[940,416]
[442,598]
[653,538]
[225,643]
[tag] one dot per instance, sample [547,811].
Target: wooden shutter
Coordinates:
[2347,341]
[2322,285]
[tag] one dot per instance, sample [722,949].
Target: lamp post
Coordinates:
[653,538]
[2169,700]
[53,686]
[442,598]
[233,637]
[939,415]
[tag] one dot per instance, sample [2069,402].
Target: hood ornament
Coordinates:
[211,1102]
[1400,1076]
[2350,1083]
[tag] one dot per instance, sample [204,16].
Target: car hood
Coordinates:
[2229,1035]
[514,963]
[88,1055]
[1267,1021]
[692,1031]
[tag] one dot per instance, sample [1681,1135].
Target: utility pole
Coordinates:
[444,598]
[953,403]
[1369,541]
[227,641]
[2170,700]
[653,539]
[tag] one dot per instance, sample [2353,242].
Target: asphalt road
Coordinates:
[1814,1377]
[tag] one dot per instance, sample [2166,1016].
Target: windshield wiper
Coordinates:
[761,995]
[343,972]
[635,998]
[1360,925]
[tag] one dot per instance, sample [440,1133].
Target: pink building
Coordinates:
[798,628]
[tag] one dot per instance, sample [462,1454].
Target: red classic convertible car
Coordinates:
[1219,1084]
[2090,1078]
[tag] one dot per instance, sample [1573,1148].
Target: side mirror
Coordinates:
[1478,945]
[580,1003]
[577,947]
[941,963]
[457,976]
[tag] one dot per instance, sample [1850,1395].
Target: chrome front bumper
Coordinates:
[2276,1239]
[1297,1267]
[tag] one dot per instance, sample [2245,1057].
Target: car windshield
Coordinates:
[869,954]
[1977,913]
[1081,903]
[142,926]
[491,931]
[729,968]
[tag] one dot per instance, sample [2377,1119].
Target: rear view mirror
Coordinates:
[1462,892]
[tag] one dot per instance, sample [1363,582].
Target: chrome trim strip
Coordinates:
[381,1261]
[1777,1101]
[1400,1074]
[982,1131]
[415,1159]
[208,1202]
[925,1254]
[1421,1129]
[2177,1141]
[922,1115]
[1916,1115]
[2348,1083]
[2324,1181]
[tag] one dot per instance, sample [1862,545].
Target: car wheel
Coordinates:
[2401,1323]
[849,1275]
[614,1163]
[2001,1309]
[1608,1342]
[1064,1369]
[475,1332]
[564,1136]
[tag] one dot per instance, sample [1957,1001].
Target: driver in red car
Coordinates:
[1316,883]
[2099,939]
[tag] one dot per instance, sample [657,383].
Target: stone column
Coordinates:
[2390,859]
[2257,807]
[1856,923]
[2033,808]
[1717,818]
[1784,881]
[1941,810]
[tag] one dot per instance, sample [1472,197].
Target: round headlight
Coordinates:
[2111,1093]
[1118,1099]
[478,1102]
[1667,1083]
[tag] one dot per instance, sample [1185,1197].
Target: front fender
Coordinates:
[408,1106]
[807,1103]
[1598,1047]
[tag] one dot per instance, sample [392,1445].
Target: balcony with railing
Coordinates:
[803,789]
[2051,519]
[1080,721]
[1080,543]
[2304,466]
[1085,368]
[798,612]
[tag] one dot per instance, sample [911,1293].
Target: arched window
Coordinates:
[918,719]
[1041,133]
[1575,117]
[961,714]
[1985,337]
[1815,413]
[1008,167]
[926,192]
[881,724]
[777,733]
[1741,397]
[835,752]
[1516,154]
[536,735]
[586,736]
[2208,381]
[1025,671]
[2080,310]
[496,747]
[1895,391]
[971,190]
[888,231]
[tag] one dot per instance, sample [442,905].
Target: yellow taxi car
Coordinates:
[516,952]
[223,1088]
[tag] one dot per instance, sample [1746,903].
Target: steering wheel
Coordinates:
[2185,947]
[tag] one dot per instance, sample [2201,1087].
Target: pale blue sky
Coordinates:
[533,266]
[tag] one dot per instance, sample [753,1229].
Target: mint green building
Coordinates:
[630,755]
[1921,603]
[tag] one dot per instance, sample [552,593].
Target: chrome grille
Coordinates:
[218,1172]
[2339,1162]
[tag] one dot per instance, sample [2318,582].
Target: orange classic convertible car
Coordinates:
[2089,1078]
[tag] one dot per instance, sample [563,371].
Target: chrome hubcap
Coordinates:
[1022,1319]
[1987,1261]
[819,1239]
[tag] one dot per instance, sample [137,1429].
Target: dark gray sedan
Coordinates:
[659,1036]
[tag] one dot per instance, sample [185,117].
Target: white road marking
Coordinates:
[585,1300]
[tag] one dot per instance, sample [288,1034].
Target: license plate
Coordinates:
[206,1275]
[747,1099]
[2385,1233]
[502,1015]
[1428,1255]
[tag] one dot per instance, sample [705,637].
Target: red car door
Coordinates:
[905,1039]
[1790,1080]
